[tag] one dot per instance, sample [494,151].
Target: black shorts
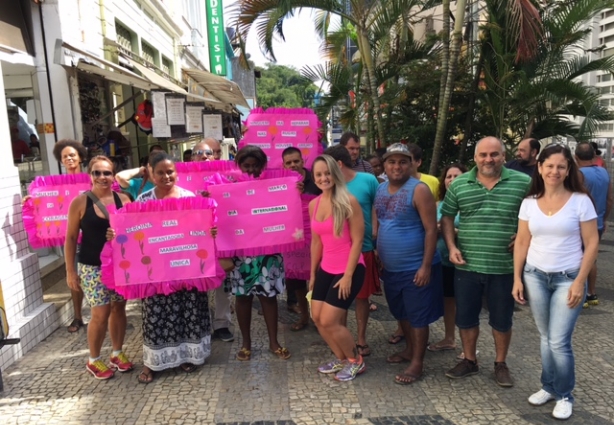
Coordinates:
[323,287]
[448,281]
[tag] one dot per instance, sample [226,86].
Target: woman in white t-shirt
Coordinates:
[555,247]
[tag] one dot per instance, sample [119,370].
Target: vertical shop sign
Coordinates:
[216,37]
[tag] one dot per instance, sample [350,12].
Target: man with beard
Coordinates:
[488,199]
[351,142]
[526,157]
[406,244]
[210,149]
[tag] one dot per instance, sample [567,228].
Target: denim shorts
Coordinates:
[470,287]
[419,305]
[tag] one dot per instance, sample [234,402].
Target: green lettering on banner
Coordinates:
[216,37]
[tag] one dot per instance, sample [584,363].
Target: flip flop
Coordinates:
[244,354]
[396,359]
[435,347]
[282,353]
[406,379]
[146,377]
[363,350]
[395,339]
[298,326]
[188,367]
[75,325]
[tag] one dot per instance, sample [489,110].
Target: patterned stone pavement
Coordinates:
[50,385]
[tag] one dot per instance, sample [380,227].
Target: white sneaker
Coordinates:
[540,398]
[563,409]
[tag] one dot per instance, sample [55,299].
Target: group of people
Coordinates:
[497,234]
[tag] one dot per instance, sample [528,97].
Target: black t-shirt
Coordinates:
[309,186]
[518,166]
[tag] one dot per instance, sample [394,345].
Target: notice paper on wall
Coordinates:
[160,128]
[193,117]
[213,126]
[159,105]
[175,110]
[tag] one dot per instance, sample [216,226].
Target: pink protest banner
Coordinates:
[162,247]
[45,213]
[259,216]
[297,264]
[276,129]
[193,175]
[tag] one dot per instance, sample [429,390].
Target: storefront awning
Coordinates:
[70,56]
[225,90]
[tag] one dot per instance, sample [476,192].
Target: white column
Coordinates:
[28,317]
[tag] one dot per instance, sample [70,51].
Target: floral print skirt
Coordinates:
[262,275]
[176,329]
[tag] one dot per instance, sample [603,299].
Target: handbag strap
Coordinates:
[98,203]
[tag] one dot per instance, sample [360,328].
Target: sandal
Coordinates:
[440,347]
[282,353]
[395,339]
[75,325]
[372,307]
[363,350]
[244,354]
[298,326]
[188,367]
[145,377]
[396,359]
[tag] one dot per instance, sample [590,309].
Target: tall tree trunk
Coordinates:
[445,53]
[475,86]
[369,66]
[442,115]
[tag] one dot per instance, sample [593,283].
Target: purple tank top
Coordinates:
[335,250]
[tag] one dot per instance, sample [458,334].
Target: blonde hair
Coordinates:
[340,199]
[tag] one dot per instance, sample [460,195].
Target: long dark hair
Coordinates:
[442,178]
[572,182]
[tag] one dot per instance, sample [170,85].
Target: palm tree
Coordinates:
[367,17]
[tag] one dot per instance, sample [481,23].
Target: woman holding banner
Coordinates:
[337,266]
[71,154]
[176,327]
[262,275]
[88,214]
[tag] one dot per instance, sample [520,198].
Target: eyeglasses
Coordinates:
[97,173]
[201,153]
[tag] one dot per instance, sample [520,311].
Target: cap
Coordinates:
[397,149]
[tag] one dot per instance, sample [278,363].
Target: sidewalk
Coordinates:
[50,385]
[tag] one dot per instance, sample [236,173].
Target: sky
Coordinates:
[301,47]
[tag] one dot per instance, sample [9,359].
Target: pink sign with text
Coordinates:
[161,247]
[297,264]
[276,129]
[192,176]
[45,214]
[258,217]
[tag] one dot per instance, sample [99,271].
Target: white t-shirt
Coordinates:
[556,241]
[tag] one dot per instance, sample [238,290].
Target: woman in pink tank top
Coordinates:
[337,266]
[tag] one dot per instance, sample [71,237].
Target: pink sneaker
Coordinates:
[99,370]
[122,363]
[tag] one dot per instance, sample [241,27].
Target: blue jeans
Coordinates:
[555,321]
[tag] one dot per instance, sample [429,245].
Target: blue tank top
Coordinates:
[597,181]
[400,238]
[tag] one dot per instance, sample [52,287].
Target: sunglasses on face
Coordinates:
[201,153]
[97,173]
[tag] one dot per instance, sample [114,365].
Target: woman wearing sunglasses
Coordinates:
[88,213]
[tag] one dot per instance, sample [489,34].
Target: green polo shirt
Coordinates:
[488,219]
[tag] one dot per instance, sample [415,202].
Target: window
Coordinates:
[167,66]
[605,127]
[608,14]
[608,39]
[605,77]
[604,90]
[149,53]
[607,52]
[124,36]
[607,27]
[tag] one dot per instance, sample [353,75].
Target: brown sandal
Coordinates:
[75,325]
[244,354]
[282,353]
[146,377]
[298,326]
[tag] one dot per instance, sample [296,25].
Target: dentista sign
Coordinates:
[216,38]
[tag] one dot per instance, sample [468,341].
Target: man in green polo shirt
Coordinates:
[488,199]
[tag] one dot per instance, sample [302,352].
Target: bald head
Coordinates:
[584,154]
[207,150]
[489,157]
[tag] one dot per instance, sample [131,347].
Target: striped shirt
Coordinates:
[488,219]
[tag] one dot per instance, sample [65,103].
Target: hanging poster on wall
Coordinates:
[160,128]
[193,119]
[213,126]
[175,110]
[159,104]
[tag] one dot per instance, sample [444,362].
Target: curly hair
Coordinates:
[68,143]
